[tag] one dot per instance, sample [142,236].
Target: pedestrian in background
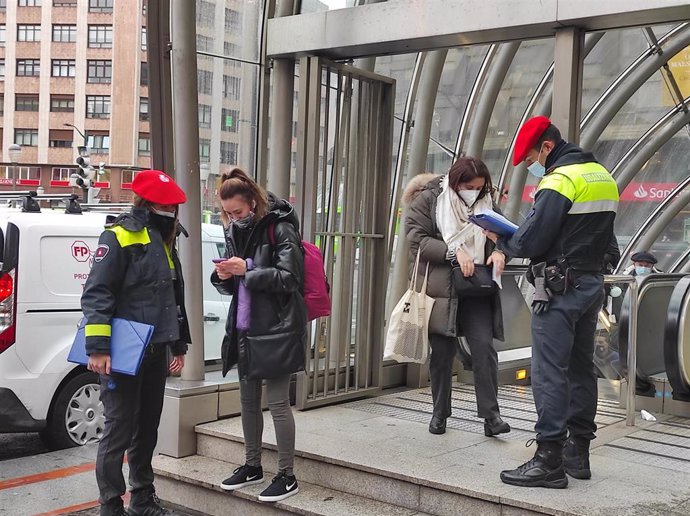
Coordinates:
[437,225]
[267,322]
[566,236]
[136,275]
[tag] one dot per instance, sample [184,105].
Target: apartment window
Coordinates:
[204,150]
[205,14]
[2,105]
[28,33]
[62,103]
[143,108]
[204,115]
[233,22]
[29,173]
[230,49]
[144,45]
[65,33]
[27,137]
[101,6]
[2,69]
[64,3]
[3,35]
[128,176]
[99,71]
[62,173]
[144,74]
[97,106]
[229,120]
[100,36]
[60,138]
[28,67]
[98,143]
[204,43]
[63,68]
[29,3]
[144,146]
[228,153]
[231,87]
[3,4]
[26,103]
[205,81]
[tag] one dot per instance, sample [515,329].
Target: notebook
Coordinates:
[494,222]
[128,343]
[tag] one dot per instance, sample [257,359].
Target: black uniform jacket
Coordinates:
[550,231]
[132,278]
[278,316]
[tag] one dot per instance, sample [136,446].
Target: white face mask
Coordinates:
[469,196]
[162,213]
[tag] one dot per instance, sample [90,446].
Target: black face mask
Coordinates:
[164,225]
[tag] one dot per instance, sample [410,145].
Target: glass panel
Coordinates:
[239,22]
[312,6]
[399,68]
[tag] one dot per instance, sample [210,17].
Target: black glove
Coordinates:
[542,295]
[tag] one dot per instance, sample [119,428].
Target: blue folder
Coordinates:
[499,225]
[128,343]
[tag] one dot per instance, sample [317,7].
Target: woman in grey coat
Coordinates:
[436,225]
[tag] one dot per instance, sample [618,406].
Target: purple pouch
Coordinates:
[244,302]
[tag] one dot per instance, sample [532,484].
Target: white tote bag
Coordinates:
[407,337]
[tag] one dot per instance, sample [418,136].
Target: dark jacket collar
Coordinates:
[565,153]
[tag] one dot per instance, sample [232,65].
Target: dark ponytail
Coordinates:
[237,182]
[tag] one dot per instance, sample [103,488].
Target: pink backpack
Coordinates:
[316,287]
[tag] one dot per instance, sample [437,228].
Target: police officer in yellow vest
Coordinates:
[136,275]
[566,236]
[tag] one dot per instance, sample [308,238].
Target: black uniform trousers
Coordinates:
[132,406]
[475,318]
[564,381]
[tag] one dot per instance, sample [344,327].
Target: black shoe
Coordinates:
[242,477]
[113,509]
[495,426]
[437,425]
[545,469]
[149,506]
[576,458]
[282,486]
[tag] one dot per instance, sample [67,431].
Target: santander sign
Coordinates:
[634,192]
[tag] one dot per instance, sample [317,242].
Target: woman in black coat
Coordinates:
[267,322]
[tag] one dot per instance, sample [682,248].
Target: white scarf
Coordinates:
[452,219]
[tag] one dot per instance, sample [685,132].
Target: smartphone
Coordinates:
[218,260]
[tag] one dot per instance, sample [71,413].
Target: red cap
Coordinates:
[528,136]
[157,187]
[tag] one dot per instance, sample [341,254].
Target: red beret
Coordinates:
[528,136]
[157,187]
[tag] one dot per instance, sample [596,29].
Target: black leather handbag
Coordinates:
[480,284]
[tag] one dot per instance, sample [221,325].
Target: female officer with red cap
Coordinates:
[136,275]
[566,236]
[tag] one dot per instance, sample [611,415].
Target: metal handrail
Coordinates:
[632,342]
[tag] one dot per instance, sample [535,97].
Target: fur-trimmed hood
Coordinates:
[416,186]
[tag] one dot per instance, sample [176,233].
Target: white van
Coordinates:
[45,260]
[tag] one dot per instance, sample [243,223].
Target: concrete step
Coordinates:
[348,473]
[193,483]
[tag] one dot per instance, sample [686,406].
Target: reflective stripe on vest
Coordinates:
[589,186]
[126,237]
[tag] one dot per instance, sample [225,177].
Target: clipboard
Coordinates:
[128,343]
[495,223]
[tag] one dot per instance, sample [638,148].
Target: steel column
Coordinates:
[186,131]
[282,95]
[567,82]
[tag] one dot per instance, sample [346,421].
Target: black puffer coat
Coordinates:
[277,332]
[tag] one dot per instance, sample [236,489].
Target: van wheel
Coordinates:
[77,415]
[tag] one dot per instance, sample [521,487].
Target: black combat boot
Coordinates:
[146,503]
[437,425]
[545,469]
[576,458]
[113,508]
[495,426]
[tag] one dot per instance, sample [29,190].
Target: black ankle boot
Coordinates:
[495,426]
[147,504]
[437,425]
[576,458]
[544,470]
